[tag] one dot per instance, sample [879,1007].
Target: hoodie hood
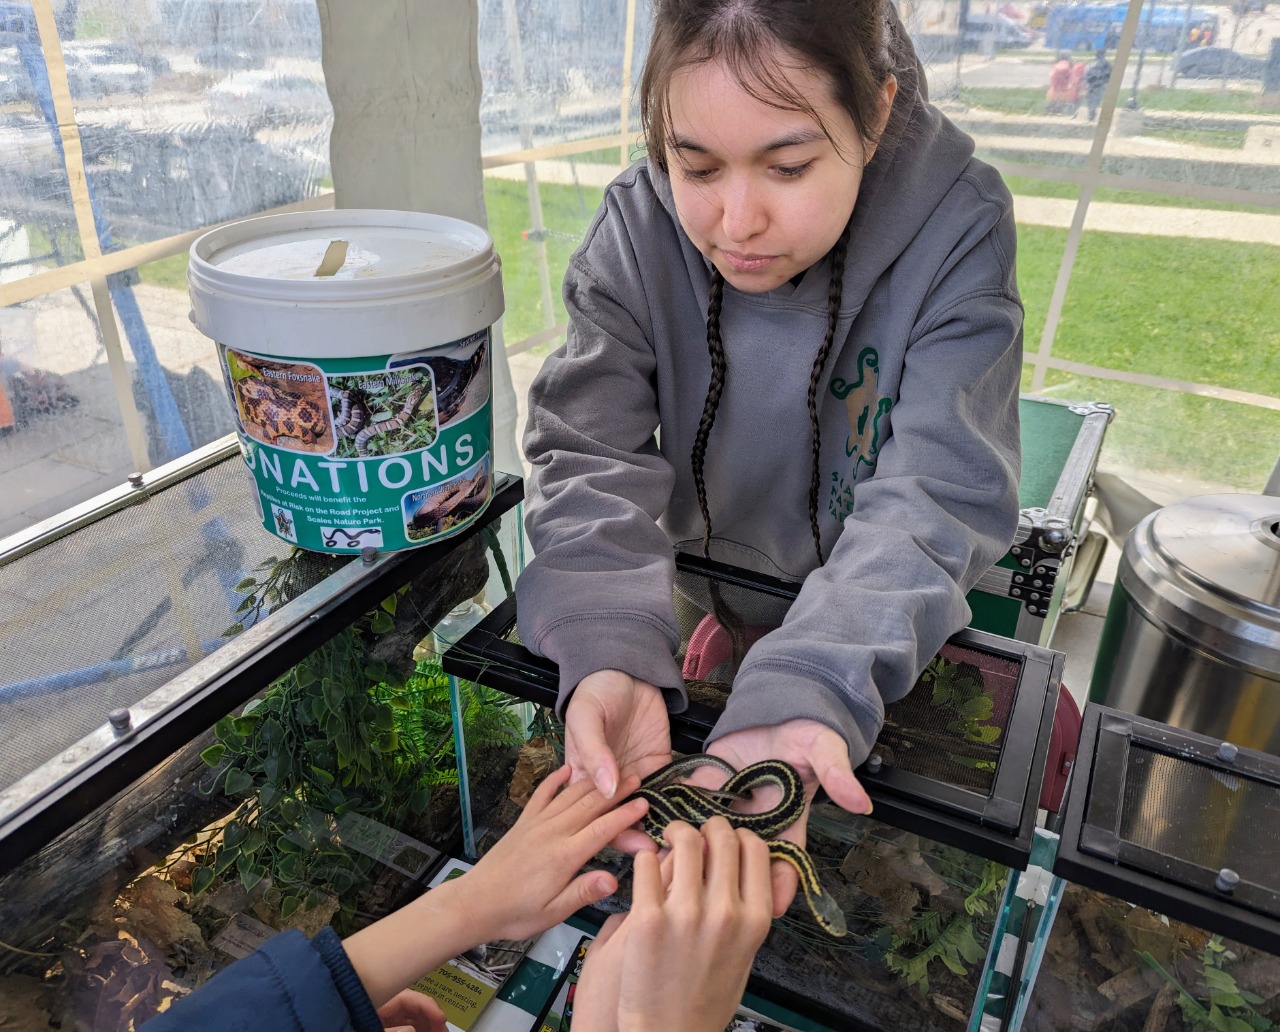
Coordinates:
[914,168]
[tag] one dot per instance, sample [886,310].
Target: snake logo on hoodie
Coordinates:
[867,411]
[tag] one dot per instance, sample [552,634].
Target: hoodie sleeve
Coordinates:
[289,983]
[598,593]
[939,510]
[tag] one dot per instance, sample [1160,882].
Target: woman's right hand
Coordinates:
[615,725]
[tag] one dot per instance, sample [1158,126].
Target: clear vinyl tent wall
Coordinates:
[1147,235]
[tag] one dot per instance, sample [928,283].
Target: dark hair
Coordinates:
[856,44]
[851,42]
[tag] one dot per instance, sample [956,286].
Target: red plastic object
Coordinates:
[709,646]
[1062,751]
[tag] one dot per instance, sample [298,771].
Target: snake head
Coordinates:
[829,915]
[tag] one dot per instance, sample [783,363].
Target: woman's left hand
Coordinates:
[821,757]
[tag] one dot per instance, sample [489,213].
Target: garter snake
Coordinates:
[669,800]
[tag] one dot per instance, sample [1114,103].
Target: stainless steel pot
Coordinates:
[1192,636]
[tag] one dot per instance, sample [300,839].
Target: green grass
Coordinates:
[1027,187]
[168,272]
[1227,139]
[566,213]
[1202,441]
[1029,100]
[1201,310]
[1187,309]
[608,155]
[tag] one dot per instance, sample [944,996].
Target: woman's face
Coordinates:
[762,191]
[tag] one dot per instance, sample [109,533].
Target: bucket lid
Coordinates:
[1208,568]
[268,282]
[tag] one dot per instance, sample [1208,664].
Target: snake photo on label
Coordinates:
[383,413]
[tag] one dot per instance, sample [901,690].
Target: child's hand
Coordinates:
[689,944]
[529,880]
[412,1011]
[525,884]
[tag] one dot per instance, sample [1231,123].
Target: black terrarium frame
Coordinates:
[49,801]
[997,825]
[1094,853]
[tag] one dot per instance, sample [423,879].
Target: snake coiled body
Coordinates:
[669,800]
[350,417]
[352,413]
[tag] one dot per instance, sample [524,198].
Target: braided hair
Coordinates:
[715,345]
[860,46]
[728,618]
[719,367]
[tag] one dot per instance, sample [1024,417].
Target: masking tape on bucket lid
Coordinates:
[254,283]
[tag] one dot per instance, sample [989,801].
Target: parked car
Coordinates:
[268,97]
[1208,62]
[229,59]
[995,32]
[95,72]
[111,51]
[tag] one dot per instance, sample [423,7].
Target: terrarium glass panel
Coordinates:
[1111,966]
[961,756]
[328,798]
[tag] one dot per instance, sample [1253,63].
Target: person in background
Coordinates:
[529,881]
[794,345]
[1095,82]
[1057,100]
[1076,88]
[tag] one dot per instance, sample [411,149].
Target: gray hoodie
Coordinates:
[919,440]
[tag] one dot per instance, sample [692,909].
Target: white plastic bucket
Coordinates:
[355,348]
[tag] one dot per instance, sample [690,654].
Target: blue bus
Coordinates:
[1162,27]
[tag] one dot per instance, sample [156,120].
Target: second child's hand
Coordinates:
[821,758]
[680,958]
[530,880]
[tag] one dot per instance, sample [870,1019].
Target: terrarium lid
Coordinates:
[1181,823]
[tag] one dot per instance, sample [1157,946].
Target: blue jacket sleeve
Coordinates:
[290,982]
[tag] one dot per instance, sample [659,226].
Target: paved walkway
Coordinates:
[1150,220]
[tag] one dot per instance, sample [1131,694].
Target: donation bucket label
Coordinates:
[386,452]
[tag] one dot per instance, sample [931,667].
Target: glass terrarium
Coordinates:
[246,738]
[1168,895]
[929,885]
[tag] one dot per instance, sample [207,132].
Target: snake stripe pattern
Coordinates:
[670,800]
[350,418]
[383,426]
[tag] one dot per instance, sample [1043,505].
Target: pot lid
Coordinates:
[1209,566]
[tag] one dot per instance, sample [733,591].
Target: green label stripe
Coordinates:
[326,503]
[348,453]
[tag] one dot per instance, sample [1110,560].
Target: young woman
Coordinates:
[794,344]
